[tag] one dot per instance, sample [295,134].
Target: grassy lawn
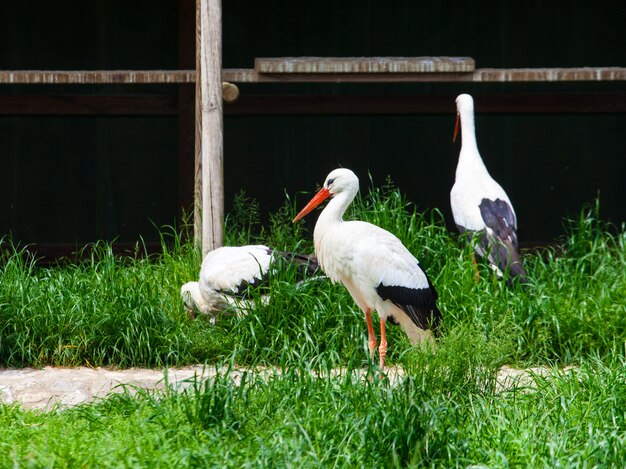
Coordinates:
[446,411]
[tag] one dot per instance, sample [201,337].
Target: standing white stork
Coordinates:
[479,204]
[377,269]
[228,271]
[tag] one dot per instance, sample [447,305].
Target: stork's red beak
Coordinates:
[457,124]
[320,197]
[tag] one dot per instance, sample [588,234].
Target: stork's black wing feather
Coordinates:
[498,215]
[418,303]
[501,243]
[307,265]
[259,284]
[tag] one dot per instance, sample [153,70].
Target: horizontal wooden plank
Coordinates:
[246,75]
[479,76]
[550,74]
[80,77]
[326,104]
[364,64]
[85,105]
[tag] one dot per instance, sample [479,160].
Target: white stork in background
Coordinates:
[377,269]
[479,205]
[227,272]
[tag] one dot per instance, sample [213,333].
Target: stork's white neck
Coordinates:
[332,216]
[336,208]
[470,162]
[328,228]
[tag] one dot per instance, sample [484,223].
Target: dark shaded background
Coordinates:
[77,179]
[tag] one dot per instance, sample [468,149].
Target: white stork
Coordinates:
[377,269]
[479,205]
[227,272]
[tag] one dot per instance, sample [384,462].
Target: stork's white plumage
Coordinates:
[227,272]
[377,269]
[479,204]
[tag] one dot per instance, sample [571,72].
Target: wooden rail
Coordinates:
[484,75]
[90,77]
[341,65]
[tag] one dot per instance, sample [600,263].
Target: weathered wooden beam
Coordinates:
[211,124]
[88,77]
[485,75]
[364,65]
[247,75]
[550,74]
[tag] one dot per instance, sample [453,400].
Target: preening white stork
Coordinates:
[227,272]
[377,269]
[479,205]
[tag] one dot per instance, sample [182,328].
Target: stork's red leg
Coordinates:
[371,335]
[477,274]
[382,350]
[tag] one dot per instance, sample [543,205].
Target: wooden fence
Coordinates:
[209,79]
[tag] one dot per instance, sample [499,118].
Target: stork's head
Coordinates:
[192,298]
[464,105]
[340,180]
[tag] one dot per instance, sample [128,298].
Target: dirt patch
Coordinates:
[53,387]
[44,388]
[514,378]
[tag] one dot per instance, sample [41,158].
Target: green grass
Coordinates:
[431,418]
[446,412]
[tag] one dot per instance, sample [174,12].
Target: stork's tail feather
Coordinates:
[436,319]
[507,259]
[417,335]
[419,330]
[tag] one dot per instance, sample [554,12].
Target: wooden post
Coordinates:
[209,125]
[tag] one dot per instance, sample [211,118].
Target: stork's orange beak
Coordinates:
[457,124]
[320,197]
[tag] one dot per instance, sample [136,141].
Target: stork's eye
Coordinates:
[330,181]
